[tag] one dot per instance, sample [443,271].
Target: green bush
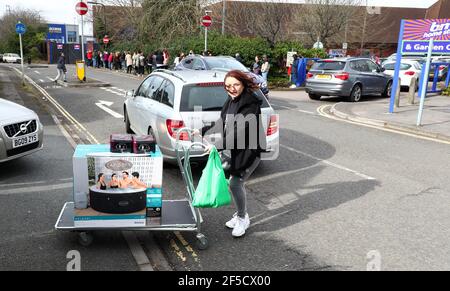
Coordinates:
[446,91]
[279,82]
[227,45]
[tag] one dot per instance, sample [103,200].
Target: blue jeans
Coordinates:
[265,75]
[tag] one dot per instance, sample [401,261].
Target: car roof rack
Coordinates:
[169,72]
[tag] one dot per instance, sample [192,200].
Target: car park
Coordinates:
[226,63]
[21,132]
[169,100]
[409,69]
[348,77]
[11,58]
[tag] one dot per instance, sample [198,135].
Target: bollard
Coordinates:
[412,91]
[397,94]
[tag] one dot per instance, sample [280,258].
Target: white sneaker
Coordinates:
[241,226]
[232,222]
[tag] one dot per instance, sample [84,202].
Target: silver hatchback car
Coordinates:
[21,132]
[169,100]
[348,77]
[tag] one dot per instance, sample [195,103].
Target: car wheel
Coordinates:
[314,96]
[127,122]
[355,95]
[387,90]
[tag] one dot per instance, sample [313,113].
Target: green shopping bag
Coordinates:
[212,189]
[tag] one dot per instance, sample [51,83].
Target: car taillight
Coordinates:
[410,73]
[173,126]
[343,76]
[273,125]
[309,75]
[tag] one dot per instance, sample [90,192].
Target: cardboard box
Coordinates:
[90,218]
[92,161]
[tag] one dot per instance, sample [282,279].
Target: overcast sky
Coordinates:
[63,11]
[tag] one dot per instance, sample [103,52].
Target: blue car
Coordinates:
[225,63]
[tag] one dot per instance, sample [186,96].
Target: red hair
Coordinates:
[244,77]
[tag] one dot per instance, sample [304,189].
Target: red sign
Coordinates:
[206,21]
[81,8]
[105,40]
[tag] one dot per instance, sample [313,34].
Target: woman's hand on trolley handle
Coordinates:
[208,146]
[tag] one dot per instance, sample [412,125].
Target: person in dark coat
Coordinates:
[240,125]
[61,66]
[294,71]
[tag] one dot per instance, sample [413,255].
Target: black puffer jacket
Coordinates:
[239,133]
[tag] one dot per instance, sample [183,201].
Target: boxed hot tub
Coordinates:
[115,189]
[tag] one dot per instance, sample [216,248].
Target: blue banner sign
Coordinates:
[414,46]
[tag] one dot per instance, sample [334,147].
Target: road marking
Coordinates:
[40,80]
[277,175]
[295,109]
[135,247]
[321,111]
[35,188]
[186,245]
[177,250]
[112,91]
[64,132]
[329,163]
[61,109]
[37,72]
[53,80]
[103,104]
[121,90]
[137,251]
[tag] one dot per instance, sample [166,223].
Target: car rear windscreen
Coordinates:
[328,66]
[225,63]
[391,66]
[210,98]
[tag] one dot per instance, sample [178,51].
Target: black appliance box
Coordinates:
[121,143]
[143,144]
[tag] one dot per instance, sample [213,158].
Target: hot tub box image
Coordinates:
[115,189]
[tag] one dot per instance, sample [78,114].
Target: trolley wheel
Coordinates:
[85,238]
[202,242]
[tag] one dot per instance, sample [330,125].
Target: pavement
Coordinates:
[435,118]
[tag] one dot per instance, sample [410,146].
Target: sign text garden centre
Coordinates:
[417,33]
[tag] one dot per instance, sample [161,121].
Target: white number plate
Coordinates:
[24,140]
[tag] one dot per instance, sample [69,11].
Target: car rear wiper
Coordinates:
[219,108]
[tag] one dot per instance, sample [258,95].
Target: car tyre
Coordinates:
[314,96]
[387,90]
[356,94]
[127,122]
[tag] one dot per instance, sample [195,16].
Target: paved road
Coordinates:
[339,196]
[32,192]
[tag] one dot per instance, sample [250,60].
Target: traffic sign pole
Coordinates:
[206,39]
[21,57]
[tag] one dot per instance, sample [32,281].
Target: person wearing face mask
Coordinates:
[240,125]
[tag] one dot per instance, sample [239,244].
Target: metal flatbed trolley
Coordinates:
[177,215]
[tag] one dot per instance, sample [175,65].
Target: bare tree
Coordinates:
[163,21]
[267,19]
[325,19]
